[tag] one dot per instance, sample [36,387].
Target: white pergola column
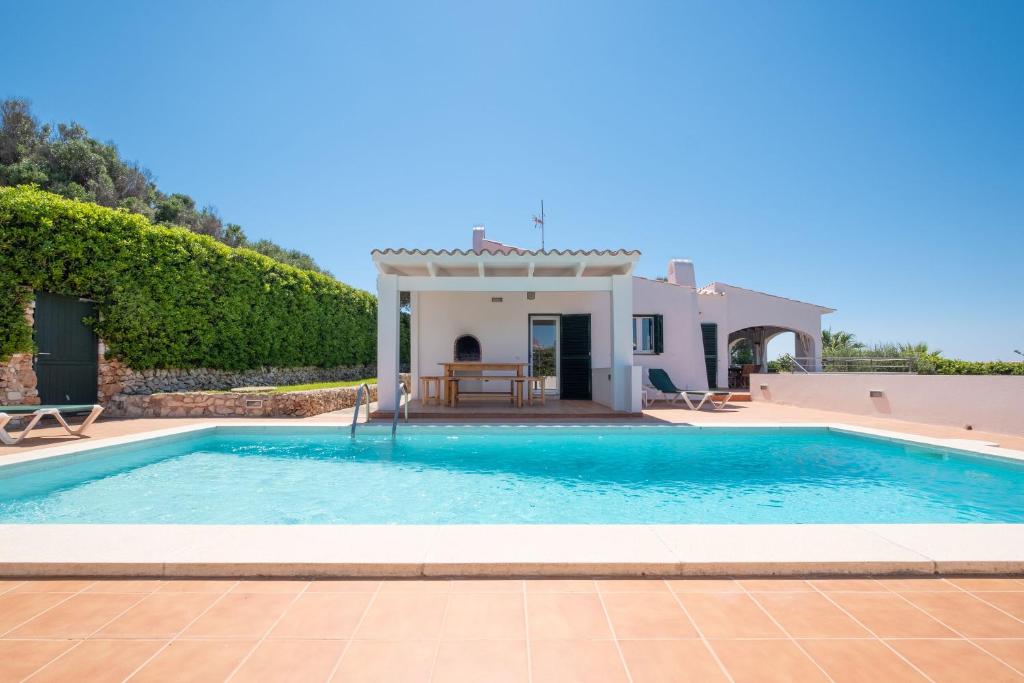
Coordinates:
[388,339]
[622,341]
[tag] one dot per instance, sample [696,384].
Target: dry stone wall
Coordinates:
[17,376]
[116,379]
[236,404]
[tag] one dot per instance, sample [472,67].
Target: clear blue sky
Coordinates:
[868,156]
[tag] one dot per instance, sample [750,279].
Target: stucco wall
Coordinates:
[987,403]
[502,328]
[683,358]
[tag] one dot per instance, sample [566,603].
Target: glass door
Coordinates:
[544,354]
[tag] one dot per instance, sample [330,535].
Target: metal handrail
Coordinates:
[359,401]
[399,392]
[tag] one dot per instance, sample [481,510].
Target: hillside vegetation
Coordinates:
[67,161]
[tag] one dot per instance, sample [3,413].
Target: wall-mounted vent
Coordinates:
[876,393]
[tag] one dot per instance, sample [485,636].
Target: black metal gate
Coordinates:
[574,357]
[67,360]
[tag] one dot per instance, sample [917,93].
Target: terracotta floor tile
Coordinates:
[983,584]
[485,616]
[370,661]
[78,616]
[729,615]
[670,661]
[53,586]
[196,586]
[487,586]
[810,615]
[322,615]
[287,661]
[19,658]
[575,661]
[566,616]
[561,586]
[954,661]
[968,615]
[412,616]
[9,584]
[775,585]
[160,615]
[929,584]
[194,661]
[494,661]
[416,586]
[342,586]
[98,661]
[1010,651]
[860,661]
[705,585]
[124,586]
[16,608]
[889,616]
[632,586]
[766,661]
[647,615]
[848,585]
[240,616]
[1008,602]
[272,586]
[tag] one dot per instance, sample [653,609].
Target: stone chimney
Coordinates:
[680,272]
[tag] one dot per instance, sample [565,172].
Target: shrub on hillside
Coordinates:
[168,297]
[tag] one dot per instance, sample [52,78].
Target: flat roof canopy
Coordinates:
[486,264]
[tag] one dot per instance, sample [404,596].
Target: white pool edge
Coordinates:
[510,550]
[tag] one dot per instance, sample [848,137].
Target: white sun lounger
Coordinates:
[707,397]
[38,413]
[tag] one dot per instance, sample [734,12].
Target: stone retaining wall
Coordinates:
[116,379]
[236,404]
[17,376]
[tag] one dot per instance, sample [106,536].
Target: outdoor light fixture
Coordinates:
[530,296]
[496,299]
[876,393]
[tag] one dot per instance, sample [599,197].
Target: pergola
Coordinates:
[414,271]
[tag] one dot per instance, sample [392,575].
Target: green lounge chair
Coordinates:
[663,383]
[39,412]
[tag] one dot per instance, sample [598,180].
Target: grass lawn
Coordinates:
[323,385]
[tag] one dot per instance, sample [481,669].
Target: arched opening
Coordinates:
[467,348]
[751,349]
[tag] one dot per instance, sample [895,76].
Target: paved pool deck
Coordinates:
[533,631]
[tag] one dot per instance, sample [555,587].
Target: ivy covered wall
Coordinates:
[169,298]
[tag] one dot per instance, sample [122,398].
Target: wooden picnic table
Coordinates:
[478,368]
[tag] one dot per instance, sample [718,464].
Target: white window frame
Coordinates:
[638,322]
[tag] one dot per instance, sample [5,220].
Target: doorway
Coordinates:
[544,350]
[67,355]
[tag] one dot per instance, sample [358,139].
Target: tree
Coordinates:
[838,342]
[71,163]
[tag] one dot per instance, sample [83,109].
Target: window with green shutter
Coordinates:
[709,333]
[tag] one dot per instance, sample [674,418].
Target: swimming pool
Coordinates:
[513,475]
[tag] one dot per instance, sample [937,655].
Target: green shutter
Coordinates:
[659,334]
[709,333]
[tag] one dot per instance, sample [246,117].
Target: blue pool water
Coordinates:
[510,475]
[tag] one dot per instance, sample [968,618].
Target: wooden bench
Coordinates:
[453,391]
[428,382]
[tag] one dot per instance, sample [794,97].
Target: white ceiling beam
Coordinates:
[417,283]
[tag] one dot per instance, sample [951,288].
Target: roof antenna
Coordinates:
[539,221]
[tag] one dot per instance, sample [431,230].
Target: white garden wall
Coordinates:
[987,403]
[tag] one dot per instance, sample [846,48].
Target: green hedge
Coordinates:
[169,298]
[952,366]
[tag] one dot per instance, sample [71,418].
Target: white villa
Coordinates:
[582,314]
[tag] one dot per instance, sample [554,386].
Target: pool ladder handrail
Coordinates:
[359,401]
[400,391]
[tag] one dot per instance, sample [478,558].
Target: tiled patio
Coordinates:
[513,630]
